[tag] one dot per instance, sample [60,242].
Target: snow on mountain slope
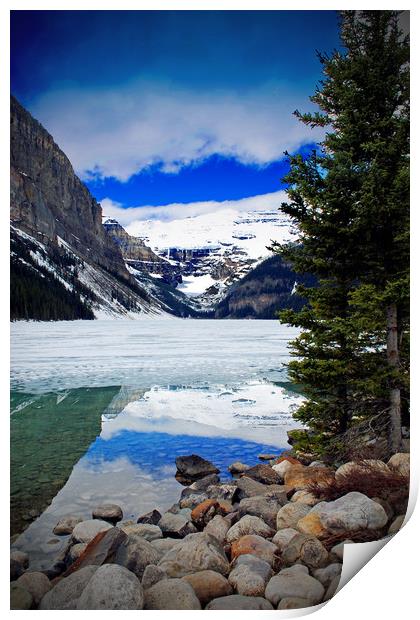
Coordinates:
[215,249]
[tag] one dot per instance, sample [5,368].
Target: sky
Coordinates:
[182,108]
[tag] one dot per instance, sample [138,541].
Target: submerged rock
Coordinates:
[66,525]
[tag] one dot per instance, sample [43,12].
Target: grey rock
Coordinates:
[76,551]
[292,583]
[152,574]
[338,550]
[108,512]
[151,518]
[250,575]
[102,549]
[135,553]
[194,467]
[327,574]
[283,537]
[249,524]
[204,483]
[281,468]
[264,506]
[217,527]
[66,525]
[264,474]
[85,531]
[112,587]
[237,601]
[306,549]
[400,462]
[163,545]
[20,598]
[176,526]
[267,457]
[37,584]
[332,588]
[226,492]
[289,515]
[145,530]
[196,552]
[190,500]
[68,590]
[171,594]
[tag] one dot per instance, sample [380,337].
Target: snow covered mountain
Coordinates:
[213,250]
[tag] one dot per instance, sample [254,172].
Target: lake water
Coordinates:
[100,410]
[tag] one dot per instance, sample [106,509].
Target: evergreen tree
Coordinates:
[349,200]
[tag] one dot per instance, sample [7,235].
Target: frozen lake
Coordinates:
[100,409]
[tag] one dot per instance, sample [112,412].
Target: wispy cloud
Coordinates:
[117,133]
[177,211]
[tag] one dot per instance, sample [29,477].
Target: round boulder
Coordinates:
[171,594]
[207,585]
[85,531]
[112,587]
[37,584]
[108,512]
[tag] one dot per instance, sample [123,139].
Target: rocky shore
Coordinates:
[271,537]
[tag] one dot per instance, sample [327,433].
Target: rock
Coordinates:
[204,483]
[217,527]
[332,588]
[291,583]
[171,594]
[135,553]
[208,585]
[237,601]
[194,467]
[362,467]
[401,463]
[225,492]
[254,545]
[85,531]
[289,515]
[16,569]
[338,550]
[249,525]
[288,458]
[282,468]
[238,468]
[204,512]
[306,549]
[152,574]
[283,537]
[396,525]
[264,506]
[301,477]
[151,518]
[66,525]
[327,574]
[112,587]
[37,584]
[305,497]
[264,474]
[267,457]
[352,512]
[190,501]
[293,602]
[20,557]
[247,487]
[100,550]
[250,575]
[163,545]
[317,464]
[108,512]
[145,530]
[385,505]
[20,598]
[76,551]
[65,592]
[176,525]
[195,553]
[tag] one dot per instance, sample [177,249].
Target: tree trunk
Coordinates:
[394,433]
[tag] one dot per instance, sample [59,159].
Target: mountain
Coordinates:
[265,290]
[63,264]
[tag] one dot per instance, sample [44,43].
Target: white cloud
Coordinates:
[178,211]
[117,133]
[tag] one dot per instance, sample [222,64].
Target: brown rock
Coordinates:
[101,550]
[290,514]
[151,518]
[300,477]
[264,474]
[204,512]
[254,545]
[208,585]
[306,549]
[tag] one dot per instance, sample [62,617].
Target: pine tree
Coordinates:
[349,200]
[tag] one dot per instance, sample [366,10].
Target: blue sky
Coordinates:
[160,107]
